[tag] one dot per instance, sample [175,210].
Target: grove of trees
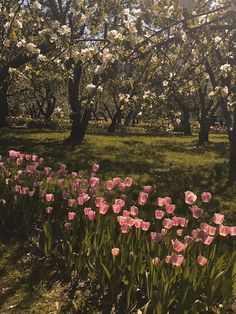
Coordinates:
[120,61]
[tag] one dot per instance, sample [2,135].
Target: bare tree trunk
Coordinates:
[4,110]
[115,119]
[128,118]
[203,136]
[186,127]
[79,126]
[232,145]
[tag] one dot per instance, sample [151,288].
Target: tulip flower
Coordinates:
[115,251]
[202,260]
[206,197]
[218,218]
[71,215]
[190,197]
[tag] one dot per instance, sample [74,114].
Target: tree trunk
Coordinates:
[3,107]
[79,127]
[232,145]
[115,119]
[128,118]
[185,122]
[203,136]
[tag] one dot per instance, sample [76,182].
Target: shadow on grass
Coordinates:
[155,161]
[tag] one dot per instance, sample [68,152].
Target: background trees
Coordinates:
[121,61]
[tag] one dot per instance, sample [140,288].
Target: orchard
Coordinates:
[118,156]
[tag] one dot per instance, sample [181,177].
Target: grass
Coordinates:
[172,164]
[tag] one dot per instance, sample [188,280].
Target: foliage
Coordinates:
[153,248]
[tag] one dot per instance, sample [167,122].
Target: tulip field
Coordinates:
[136,244]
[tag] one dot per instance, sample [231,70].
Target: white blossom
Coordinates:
[37,5]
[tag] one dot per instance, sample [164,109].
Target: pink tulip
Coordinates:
[155,261]
[205,227]
[206,197]
[179,232]
[232,231]
[95,168]
[49,210]
[224,230]
[49,197]
[188,240]
[115,251]
[178,246]
[98,201]
[103,208]
[17,189]
[164,231]
[47,170]
[168,223]
[159,214]
[19,161]
[91,215]
[142,199]
[170,208]
[130,221]
[87,210]
[71,202]
[133,210]
[117,181]
[124,228]
[176,260]
[128,182]
[31,193]
[208,240]
[80,200]
[28,157]
[116,208]
[13,154]
[122,186]
[202,260]
[73,175]
[120,202]
[163,201]
[190,197]
[196,211]
[156,237]
[71,215]
[126,213]
[122,220]
[218,218]
[147,189]
[94,181]
[40,161]
[63,167]
[138,223]
[145,225]
[34,157]
[85,197]
[110,185]
[180,221]
[212,231]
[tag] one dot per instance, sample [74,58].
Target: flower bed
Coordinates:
[134,244]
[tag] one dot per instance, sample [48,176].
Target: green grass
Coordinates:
[171,164]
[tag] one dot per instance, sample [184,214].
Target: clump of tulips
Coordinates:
[138,247]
